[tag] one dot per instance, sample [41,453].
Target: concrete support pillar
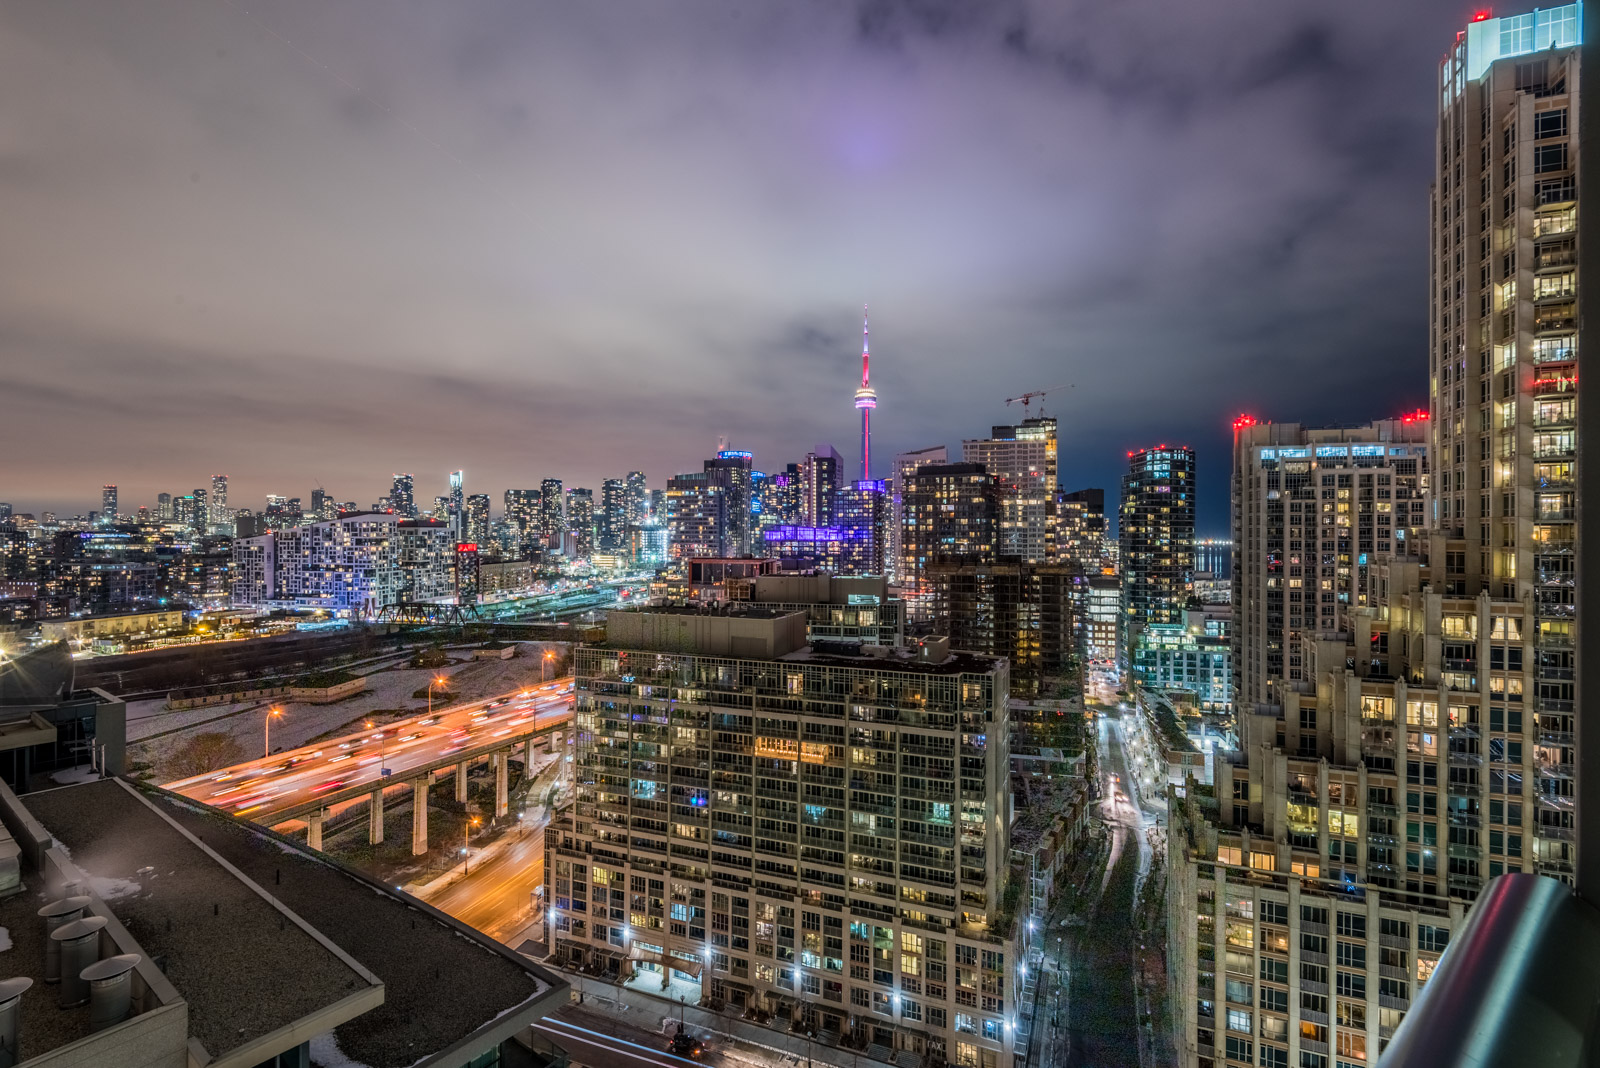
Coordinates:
[419,816]
[314,829]
[527,756]
[461,783]
[375,817]
[502,784]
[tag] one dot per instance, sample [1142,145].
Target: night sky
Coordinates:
[305,242]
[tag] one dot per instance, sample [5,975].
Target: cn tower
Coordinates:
[866,400]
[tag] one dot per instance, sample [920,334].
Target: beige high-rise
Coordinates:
[1424,746]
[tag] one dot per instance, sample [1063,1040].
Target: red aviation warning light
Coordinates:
[1243,421]
[1418,416]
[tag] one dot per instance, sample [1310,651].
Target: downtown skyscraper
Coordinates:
[1156,537]
[1428,745]
[403,496]
[1022,459]
[552,514]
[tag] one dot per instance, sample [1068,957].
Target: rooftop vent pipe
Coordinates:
[80,947]
[11,991]
[55,914]
[110,989]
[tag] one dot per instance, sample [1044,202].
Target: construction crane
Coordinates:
[1027,398]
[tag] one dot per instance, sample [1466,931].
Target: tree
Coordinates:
[210,751]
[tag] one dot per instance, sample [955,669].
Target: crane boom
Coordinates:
[1027,398]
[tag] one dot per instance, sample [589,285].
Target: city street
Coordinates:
[496,896]
[1086,1013]
[260,788]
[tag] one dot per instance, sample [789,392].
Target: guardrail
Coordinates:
[1519,985]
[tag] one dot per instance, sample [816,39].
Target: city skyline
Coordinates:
[431,284]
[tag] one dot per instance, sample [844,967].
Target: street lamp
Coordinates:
[382,769]
[266,732]
[548,657]
[466,845]
[440,681]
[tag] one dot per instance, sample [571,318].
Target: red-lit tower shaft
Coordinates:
[866,400]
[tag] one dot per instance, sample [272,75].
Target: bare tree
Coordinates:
[210,751]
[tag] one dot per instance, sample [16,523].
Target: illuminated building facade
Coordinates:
[1156,534]
[457,499]
[696,518]
[637,497]
[1022,461]
[821,474]
[108,504]
[731,471]
[905,465]
[553,514]
[351,566]
[836,857]
[403,496]
[475,519]
[611,524]
[1313,510]
[1428,747]
[949,514]
[522,509]
[1009,608]
[580,520]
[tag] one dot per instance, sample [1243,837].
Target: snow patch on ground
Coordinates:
[326,1053]
[75,775]
[113,889]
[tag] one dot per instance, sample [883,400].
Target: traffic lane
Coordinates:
[296,782]
[497,897]
[609,1051]
[497,893]
[428,739]
[547,696]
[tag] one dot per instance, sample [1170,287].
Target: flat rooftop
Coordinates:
[443,981]
[244,968]
[838,654]
[746,610]
[256,933]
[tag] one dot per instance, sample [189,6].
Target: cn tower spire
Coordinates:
[866,398]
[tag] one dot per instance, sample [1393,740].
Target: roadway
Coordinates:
[496,895]
[272,789]
[1095,1025]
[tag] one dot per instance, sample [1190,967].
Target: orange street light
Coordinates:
[267,729]
[431,684]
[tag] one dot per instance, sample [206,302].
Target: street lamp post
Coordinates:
[382,760]
[431,684]
[466,845]
[544,667]
[266,732]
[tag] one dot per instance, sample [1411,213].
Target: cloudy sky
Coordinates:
[306,242]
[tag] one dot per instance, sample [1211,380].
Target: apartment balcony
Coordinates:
[1551,833]
[1555,769]
[1556,738]
[1551,317]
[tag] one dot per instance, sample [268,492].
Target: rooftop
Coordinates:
[215,936]
[904,658]
[266,943]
